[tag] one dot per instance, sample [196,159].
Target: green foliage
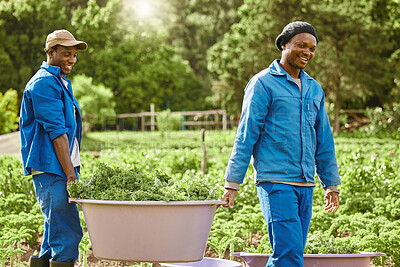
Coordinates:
[8,111]
[143,70]
[108,183]
[343,59]
[20,216]
[384,121]
[330,109]
[10,246]
[24,27]
[84,246]
[229,231]
[321,243]
[96,101]
[134,61]
[196,26]
[15,188]
[168,122]
[367,219]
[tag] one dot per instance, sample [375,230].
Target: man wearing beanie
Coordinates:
[284,130]
[51,131]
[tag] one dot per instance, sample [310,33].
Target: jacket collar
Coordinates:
[276,69]
[52,69]
[56,71]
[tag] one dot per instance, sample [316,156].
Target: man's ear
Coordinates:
[50,52]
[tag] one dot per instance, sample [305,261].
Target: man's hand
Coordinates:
[61,147]
[332,201]
[71,180]
[229,195]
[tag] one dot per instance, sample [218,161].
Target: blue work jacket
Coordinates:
[47,111]
[285,133]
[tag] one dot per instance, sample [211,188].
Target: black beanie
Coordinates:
[291,30]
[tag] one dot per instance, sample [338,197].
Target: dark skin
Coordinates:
[65,58]
[296,54]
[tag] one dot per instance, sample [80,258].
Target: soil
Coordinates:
[92,261]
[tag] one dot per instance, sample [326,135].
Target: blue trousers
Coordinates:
[287,209]
[62,228]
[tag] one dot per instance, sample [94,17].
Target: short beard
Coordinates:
[295,65]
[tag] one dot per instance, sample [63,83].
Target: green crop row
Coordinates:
[367,219]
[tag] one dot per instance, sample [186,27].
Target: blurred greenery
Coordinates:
[96,101]
[199,54]
[168,122]
[8,111]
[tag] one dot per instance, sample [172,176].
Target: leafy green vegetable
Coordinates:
[116,183]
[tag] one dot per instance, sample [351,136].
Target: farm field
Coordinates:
[367,220]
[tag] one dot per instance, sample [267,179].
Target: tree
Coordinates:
[249,46]
[101,27]
[24,27]
[196,26]
[142,70]
[356,53]
[353,57]
[96,102]
[133,60]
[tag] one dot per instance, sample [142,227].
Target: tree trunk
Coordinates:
[336,125]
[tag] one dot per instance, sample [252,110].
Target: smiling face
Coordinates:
[63,57]
[297,53]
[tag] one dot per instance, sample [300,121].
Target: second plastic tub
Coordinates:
[149,231]
[315,260]
[206,262]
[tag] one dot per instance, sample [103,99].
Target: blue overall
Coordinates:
[62,229]
[285,133]
[287,209]
[49,110]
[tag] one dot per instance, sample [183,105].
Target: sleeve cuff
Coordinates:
[232,185]
[54,134]
[332,188]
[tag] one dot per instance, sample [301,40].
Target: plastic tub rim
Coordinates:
[358,255]
[146,203]
[175,264]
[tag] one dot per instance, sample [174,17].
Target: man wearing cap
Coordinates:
[51,131]
[284,130]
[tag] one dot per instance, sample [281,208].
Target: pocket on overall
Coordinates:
[272,158]
[278,202]
[312,108]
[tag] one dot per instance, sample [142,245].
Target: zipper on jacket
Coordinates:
[301,135]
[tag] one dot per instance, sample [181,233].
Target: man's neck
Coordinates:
[293,72]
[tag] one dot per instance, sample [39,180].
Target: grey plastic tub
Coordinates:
[149,231]
[315,260]
[206,262]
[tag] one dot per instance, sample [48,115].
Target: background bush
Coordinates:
[8,111]
[169,122]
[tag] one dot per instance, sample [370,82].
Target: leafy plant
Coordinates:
[367,219]
[84,246]
[116,183]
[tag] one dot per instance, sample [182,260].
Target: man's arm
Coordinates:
[61,147]
[327,168]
